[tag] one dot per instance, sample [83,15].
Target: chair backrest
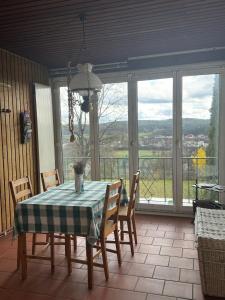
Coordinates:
[111,205]
[133,191]
[50,179]
[21,189]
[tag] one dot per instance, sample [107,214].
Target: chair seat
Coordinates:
[123,212]
[109,227]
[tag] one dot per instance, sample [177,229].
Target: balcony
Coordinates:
[156,185]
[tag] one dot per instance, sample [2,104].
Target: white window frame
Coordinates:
[175,72]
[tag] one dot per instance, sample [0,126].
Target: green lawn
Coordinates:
[142,153]
[158,189]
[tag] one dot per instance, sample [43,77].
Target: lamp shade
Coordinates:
[85,80]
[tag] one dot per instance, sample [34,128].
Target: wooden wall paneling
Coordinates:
[29,79]
[19,107]
[15,100]
[14,132]
[16,159]
[22,108]
[2,187]
[27,108]
[10,125]
[29,102]
[17,116]
[6,142]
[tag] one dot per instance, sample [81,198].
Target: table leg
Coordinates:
[23,254]
[89,252]
[68,252]
[52,250]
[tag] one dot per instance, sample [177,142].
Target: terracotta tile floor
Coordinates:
[164,267]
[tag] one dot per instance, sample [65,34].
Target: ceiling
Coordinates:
[50,32]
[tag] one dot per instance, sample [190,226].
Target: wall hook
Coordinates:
[5,110]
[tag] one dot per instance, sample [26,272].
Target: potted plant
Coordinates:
[79,176]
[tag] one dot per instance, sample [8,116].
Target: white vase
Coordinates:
[79,182]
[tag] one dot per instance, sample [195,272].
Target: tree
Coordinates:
[212,148]
[199,161]
[109,102]
[112,101]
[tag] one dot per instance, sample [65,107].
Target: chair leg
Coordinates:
[52,250]
[130,236]
[121,231]
[134,229]
[47,238]
[74,243]
[104,258]
[34,238]
[89,253]
[23,254]
[98,245]
[18,253]
[118,252]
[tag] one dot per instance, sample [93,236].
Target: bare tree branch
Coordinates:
[110,99]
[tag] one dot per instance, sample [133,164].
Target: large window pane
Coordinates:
[113,131]
[155,125]
[79,150]
[200,119]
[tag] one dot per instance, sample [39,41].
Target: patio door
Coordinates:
[168,124]
[180,138]
[200,134]
[155,141]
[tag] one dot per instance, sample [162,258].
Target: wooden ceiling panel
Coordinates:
[50,32]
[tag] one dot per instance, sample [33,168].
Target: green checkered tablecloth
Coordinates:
[62,210]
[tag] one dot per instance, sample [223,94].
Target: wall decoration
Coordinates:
[26,129]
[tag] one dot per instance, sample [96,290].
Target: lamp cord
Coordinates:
[71,99]
[83,45]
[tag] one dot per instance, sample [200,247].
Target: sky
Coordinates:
[155,99]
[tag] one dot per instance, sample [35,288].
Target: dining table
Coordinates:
[63,210]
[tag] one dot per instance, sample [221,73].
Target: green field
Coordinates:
[142,153]
[160,189]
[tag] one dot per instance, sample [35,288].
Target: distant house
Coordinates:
[189,136]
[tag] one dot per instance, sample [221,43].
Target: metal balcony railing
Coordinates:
[156,175]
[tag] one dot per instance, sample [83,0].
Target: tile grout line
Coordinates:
[164,283]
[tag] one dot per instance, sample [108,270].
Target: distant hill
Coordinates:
[154,127]
[165,127]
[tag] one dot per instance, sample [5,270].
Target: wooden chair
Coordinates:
[127,214]
[49,180]
[108,226]
[20,190]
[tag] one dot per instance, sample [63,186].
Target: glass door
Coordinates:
[155,137]
[200,138]
[170,129]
